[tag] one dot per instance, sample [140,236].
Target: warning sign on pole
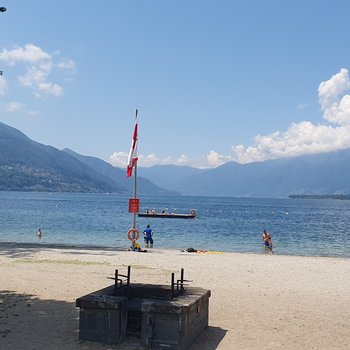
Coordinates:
[134,205]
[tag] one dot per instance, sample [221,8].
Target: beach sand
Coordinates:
[258,301]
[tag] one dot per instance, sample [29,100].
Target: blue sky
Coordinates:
[213,81]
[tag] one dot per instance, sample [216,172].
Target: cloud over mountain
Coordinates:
[305,137]
[302,138]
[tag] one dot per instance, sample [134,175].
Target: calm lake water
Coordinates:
[306,227]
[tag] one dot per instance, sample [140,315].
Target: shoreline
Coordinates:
[258,301]
[24,245]
[58,246]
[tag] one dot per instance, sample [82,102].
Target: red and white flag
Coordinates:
[133,151]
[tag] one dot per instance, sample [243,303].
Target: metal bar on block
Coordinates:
[172,285]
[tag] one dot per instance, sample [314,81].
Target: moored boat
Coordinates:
[153,214]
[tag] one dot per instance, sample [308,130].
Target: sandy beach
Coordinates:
[258,301]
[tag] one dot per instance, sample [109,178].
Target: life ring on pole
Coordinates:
[133,231]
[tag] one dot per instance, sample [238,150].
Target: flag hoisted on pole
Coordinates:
[133,150]
[133,202]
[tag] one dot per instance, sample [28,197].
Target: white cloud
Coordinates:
[299,138]
[39,65]
[37,79]
[66,64]
[29,54]
[305,137]
[119,159]
[151,159]
[182,160]
[331,90]
[336,107]
[13,107]
[215,159]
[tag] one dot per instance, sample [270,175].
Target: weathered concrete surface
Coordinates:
[147,311]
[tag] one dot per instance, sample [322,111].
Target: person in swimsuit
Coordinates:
[267,241]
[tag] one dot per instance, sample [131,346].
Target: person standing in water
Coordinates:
[40,233]
[148,236]
[267,241]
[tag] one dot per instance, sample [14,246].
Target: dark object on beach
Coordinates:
[159,316]
[191,250]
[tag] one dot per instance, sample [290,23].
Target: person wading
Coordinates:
[267,241]
[148,236]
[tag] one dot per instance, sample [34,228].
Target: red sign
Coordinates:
[134,205]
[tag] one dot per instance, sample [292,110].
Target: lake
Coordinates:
[308,227]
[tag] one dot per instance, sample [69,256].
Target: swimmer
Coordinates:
[267,241]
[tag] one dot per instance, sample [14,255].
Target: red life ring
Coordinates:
[133,231]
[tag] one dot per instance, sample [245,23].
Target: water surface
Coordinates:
[309,227]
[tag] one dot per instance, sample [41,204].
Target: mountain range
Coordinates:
[317,174]
[118,175]
[26,165]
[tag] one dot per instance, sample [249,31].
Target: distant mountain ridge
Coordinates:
[169,176]
[144,186]
[26,165]
[318,174]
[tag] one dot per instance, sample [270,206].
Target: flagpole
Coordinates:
[135,177]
